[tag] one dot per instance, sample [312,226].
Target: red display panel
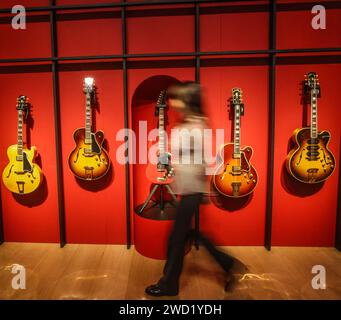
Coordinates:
[233,30]
[95,210]
[26,3]
[33,42]
[97,213]
[239,221]
[304,215]
[32,217]
[72,2]
[149,32]
[295,29]
[80,36]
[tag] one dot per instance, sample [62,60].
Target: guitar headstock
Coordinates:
[22,103]
[311,82]
[89,85]
[237,99]
[161,102]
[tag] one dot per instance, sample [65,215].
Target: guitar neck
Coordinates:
[237,129]
[161,131]
[313,123]
[88,119]
[20,132]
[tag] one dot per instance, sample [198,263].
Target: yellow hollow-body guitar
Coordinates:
[89,160]
[310,160]
[22,175]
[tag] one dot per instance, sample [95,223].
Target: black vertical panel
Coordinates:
[56,105]
[197,42]
[338,215]
[271,124]
[126,121]
[2,238]
[197,79]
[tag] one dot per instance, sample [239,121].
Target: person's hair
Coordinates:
[189,93]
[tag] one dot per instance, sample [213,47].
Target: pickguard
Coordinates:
[95,147]
[26,164]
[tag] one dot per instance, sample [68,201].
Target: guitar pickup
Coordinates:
[236,170]
[88,152]
[19,172]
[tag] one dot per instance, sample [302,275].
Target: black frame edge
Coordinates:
[197,42]
[2,236]
[57,127]
[215,54]
[126,122]
[338,214]
[271,124]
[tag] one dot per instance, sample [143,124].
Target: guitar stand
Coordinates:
[162,201]
[173,203]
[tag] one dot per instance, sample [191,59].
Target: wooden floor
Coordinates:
[113,272]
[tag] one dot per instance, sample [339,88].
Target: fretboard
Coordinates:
[88,119]
[20,134]
[237,129]
[313,124]
[161,131]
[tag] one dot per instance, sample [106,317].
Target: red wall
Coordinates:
[96,213]
[28,218]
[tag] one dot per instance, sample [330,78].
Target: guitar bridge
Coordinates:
[21,186]
[312,174]
[89,173]
[236,188]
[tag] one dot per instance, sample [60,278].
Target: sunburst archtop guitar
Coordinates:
[89,160]
[22,175]
[235,177]
[310,160]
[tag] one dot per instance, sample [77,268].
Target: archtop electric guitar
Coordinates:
[89,160]
[235,177]
[310,160]
[22,175]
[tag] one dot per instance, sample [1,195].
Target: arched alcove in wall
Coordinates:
[152,226]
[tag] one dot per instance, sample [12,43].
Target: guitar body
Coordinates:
[235,177]
[307,162]
[160,174]
[89,161]
[22,177]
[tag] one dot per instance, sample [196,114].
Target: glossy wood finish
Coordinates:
[112,272]
[224,179]
[88,165]
[16,178]
[305,169]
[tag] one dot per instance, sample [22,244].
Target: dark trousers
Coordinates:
[179,236]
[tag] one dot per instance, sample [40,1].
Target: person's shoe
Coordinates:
[157,290]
